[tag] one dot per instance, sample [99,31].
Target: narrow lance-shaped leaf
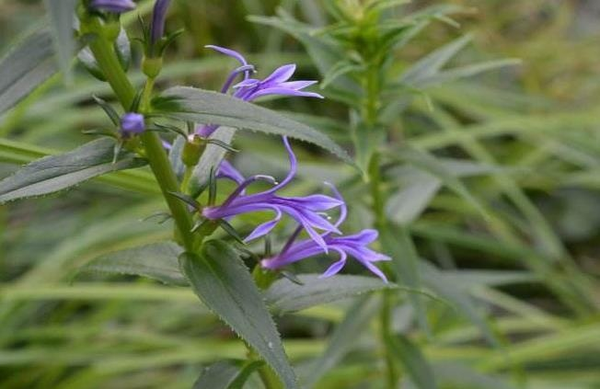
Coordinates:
[201,106]
[436,281]
[415,364]
[57,172]
[343,338]
[220,279]
[433,63]
[25,66]
[157,261]
[61,14]
[230,374]
[284,296]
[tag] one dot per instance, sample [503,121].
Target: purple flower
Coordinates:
[132,124]
[353,245]
[115,6]
[250,88]
[159,15]
[307,211]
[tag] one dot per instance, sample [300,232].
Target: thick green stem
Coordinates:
[106,57]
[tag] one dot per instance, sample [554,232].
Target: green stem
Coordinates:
[106,57]
[392,375]
[370,112]
[267,376]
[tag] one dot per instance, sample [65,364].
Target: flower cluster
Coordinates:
[307,211]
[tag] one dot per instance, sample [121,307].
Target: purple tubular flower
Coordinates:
[307,211]
[249,88]
[159,15]
[115,6]
[132,124]
[354,245]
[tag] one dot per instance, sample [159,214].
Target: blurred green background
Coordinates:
[538,123]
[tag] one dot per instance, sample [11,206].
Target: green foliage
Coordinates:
[484,191]
[55,173]
[196,105]
[223,283]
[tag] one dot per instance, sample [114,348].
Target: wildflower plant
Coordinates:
[238,237]
[181,127]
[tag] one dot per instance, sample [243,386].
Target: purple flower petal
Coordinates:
[297,85]
[316,202]
[115,6]
[228,52]
[264,228]
[226,170]
[279,75]
[336,267]
[281,91]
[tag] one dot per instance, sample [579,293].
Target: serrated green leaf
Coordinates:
[415,364]
[157,261]
[221,280]
[197,105]
[62,13]
[25,66]
[285,296]
[229,374]
[57,172]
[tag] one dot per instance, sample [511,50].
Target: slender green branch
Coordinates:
[108,61]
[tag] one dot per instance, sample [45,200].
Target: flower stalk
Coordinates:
[108,61]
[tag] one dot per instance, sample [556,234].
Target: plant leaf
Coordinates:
[25,66]
[157,261]
[431,64]
[61,14]
[211,158]
[57,172]
[285,296]
[342,340]
[436,281]
[229,374]
[220,279]
[201,106]
[398,243]
[413,360]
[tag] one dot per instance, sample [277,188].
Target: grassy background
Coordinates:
[532,131]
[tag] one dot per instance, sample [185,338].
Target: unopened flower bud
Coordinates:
[132,124]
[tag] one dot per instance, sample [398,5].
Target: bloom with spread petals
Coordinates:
[115,6]
[307,211]
[250,88]
[355,246]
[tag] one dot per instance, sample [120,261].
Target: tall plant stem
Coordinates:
[370,116]
[108,61]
